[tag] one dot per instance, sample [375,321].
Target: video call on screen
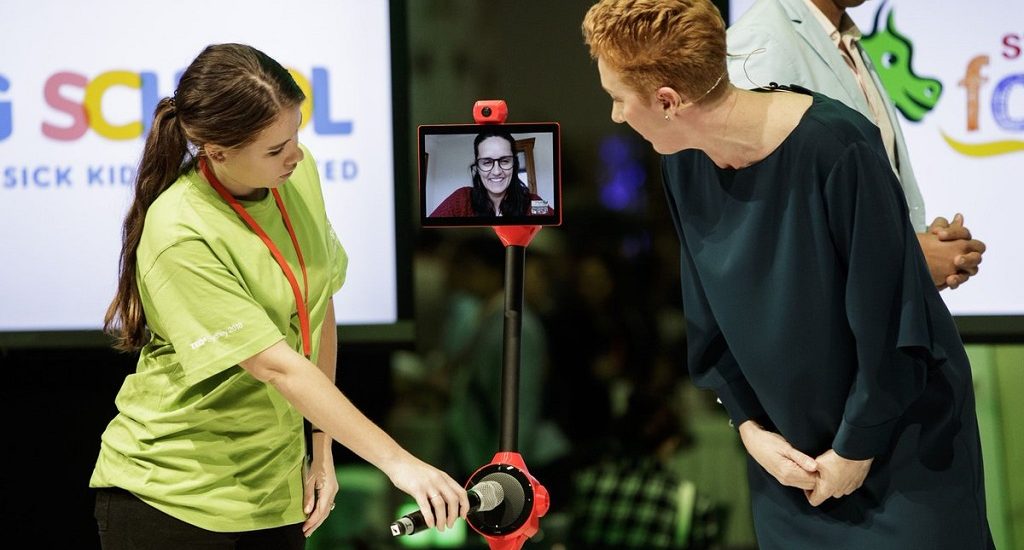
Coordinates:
[489,174]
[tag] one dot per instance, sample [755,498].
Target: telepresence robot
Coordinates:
[517,518]
[507,520]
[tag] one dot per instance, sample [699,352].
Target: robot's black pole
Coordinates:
[515,261]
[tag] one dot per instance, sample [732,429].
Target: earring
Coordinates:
[666,116]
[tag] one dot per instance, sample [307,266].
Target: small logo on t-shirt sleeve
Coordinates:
[217,335]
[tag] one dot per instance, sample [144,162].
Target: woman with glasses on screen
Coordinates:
[497,189]
[810,310]
[228,268]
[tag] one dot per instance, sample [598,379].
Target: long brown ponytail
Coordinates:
[162,162]
[226,96]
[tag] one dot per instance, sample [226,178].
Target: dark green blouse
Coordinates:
[810,307]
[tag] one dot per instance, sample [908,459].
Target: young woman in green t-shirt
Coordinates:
[227,273]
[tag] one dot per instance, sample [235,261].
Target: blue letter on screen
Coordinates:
[5,111]
[149,100]
[1001,104]
[322,122]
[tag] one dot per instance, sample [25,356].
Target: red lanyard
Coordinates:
[301,298]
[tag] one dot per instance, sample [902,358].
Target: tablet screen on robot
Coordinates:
[490,174]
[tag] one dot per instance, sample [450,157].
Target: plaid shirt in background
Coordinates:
[631,503]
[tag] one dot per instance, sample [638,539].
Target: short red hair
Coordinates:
[655,43]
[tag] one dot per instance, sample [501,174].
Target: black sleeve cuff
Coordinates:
[857,443]
[740,402]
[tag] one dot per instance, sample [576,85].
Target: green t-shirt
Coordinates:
[196,436]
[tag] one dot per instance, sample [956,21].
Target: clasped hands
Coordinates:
[828,475]
[952,253]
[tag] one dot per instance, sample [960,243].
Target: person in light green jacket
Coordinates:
[815,44]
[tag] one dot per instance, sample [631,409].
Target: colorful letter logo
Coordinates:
[88,113]
[915,96]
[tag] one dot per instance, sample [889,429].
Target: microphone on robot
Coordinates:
[484,496]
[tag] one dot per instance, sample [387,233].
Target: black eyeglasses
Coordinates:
[487,164]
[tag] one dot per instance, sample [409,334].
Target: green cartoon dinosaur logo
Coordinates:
[891,53]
